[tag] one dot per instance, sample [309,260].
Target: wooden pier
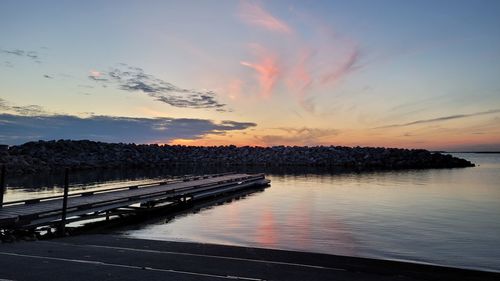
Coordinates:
[57,211]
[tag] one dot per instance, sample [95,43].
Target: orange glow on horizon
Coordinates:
[390,138]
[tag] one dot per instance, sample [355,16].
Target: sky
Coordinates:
[410,74]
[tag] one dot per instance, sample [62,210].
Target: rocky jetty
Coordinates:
[33,157]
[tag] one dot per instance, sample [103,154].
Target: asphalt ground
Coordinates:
[110,257]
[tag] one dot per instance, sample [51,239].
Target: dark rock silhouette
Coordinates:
[41,156]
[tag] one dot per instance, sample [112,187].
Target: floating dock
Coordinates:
[55,211]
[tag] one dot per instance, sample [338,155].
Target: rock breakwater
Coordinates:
[41,156]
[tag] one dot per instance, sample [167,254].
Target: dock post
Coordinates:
[65,202]
[2,185]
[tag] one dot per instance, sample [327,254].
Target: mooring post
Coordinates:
[65,201]
[2,185]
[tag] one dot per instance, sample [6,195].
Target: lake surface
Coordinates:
[448,217]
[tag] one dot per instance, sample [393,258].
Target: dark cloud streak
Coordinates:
[19,124]
[439,119]
[33,55]
[133,79]
[17,129]
[16,52]
[29,110]
[98,79]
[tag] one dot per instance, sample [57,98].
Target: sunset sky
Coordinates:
[414,74]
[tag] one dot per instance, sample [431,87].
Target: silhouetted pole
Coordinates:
[65,201]
[2,185]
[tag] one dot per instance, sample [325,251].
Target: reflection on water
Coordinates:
[44,181]
[179,211]
[447,216]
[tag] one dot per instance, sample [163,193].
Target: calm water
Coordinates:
[448,217]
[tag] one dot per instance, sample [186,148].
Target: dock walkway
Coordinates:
[91,204]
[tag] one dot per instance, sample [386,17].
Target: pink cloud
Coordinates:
[267,69]
[253,14]
[300,79]
[94,73]
[304,65]
[320,68]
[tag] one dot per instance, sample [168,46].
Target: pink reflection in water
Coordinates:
[266,231]
[446,217]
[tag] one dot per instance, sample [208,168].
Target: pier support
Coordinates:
[65,202]
[2,185]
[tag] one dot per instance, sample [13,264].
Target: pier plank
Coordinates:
[102,200]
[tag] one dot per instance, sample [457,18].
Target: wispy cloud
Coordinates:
[300,77]
[298,136]
[17,52]
[439,119]
[312,61]
[266,67]
[345,67]
[86,86]
[133,79]
[28,110]
[306,70]
[28,123]
[33,55]
[253,14]
[97,76]
[7,64]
